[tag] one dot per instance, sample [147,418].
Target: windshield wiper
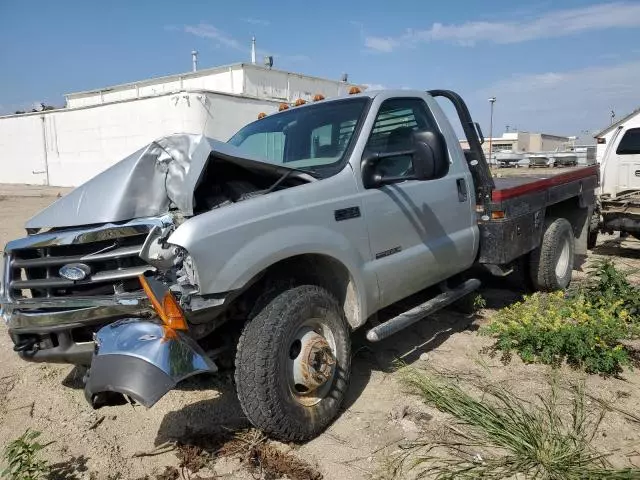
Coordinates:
[313,173]
[283,177]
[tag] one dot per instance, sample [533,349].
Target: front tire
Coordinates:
[551,264]
[293,363]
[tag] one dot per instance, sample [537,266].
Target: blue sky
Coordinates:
[558,67]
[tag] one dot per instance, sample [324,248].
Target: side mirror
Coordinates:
[372,176]
[428,155]
[430,158]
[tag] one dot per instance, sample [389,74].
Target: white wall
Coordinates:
[220,80]
[226,114]
[82,142]
[245,79]
[99,128]
[22,149]
[259,82]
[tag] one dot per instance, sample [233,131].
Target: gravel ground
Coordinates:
[108,443]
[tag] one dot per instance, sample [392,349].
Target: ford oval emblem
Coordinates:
[75,271]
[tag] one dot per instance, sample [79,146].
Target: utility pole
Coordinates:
[492,100]
[253,49]
[194,61]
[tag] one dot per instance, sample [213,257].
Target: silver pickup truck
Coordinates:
[271,248]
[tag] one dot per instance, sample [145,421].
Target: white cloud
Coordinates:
[564,102]
[381,44]
[205,30]
[559,23]
[374,86]
[257,21]
[221,38]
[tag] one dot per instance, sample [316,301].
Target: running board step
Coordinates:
[410,317]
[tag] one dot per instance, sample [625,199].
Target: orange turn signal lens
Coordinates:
[169,311]
[174,317]
[283,106]
[151,296]
[497,215]
[261,115]
[354,90]
[299,102]
[317,97]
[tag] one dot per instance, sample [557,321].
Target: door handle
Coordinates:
[462,190]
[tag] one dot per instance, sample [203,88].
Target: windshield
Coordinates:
[314,138]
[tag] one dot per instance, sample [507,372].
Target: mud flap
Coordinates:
[142,360]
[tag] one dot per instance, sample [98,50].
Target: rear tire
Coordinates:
[288,383]
[551,264]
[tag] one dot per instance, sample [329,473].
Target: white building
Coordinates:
[523,142]
[604,137]
[66,147]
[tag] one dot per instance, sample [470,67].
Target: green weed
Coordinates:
[583,328]
[21,456]
[479,303]
[502,436]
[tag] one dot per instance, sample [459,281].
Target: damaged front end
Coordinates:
[142,360]
[79,274]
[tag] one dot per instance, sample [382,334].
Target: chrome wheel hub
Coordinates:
[311,362]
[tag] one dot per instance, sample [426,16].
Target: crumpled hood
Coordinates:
[144,184]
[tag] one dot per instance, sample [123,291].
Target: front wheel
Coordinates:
[293,363]
[551,264]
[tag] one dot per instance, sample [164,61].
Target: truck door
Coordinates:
[627,161]
[421,232]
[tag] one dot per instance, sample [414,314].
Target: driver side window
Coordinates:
[392,131]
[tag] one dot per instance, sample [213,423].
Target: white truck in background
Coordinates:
[620,184]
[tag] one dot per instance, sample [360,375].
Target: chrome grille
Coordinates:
[114,263]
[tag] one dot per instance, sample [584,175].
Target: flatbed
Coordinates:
[517,185]
[520,203]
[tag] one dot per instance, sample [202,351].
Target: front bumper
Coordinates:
[142,360]
[61,330]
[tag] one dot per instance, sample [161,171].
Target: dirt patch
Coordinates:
[71,469]
[169,473]
[273,463]
[192,457]
[261,456]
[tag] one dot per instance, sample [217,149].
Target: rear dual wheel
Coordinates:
[293,363]
[551,264]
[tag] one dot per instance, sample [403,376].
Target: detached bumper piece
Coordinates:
[142,360]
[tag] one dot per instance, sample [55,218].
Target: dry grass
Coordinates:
[502,436]
[251,447]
